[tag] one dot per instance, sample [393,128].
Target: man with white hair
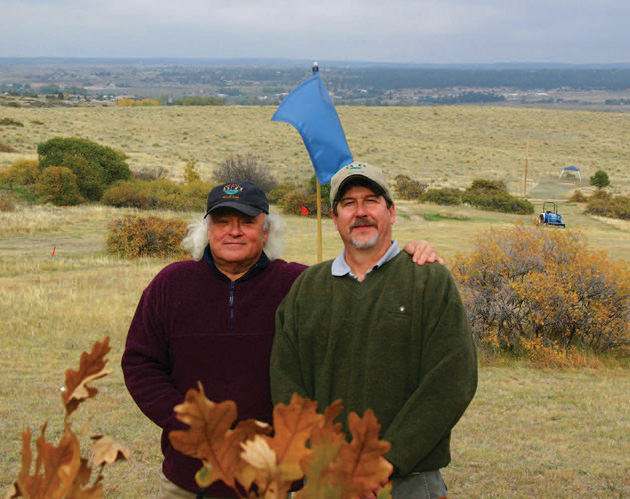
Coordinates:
[378,332]
[211,319]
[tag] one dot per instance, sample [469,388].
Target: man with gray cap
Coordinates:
[375,330]
[211,319]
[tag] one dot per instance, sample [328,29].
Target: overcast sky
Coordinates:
[415,31]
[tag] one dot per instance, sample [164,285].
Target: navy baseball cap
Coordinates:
[245,197]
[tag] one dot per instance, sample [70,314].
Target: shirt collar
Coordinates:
[340,267]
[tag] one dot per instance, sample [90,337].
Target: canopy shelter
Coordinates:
[571,169]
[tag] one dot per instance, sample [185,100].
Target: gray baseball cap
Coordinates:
[357,169]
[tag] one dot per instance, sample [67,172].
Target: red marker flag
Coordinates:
[304,210]
[54,248]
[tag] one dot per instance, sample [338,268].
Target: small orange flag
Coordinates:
[304,210]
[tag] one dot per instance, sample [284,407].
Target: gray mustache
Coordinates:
[362,222]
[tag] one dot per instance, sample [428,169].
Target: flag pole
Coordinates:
[319,222]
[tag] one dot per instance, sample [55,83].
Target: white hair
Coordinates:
[196,240]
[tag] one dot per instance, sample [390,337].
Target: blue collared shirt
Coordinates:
[340,267]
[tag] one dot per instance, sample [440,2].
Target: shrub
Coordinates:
[445,196]
[6,205]
[600,179]
[604,204]
[6,147]
[530,290]
[291,198]
[483,185]
[95,166]
[498,201]
[58,185]
[492,195]
[578,197]
[406,188]
[155,173]
[158,194]
[278,193]
[20,172]
[190,172]
[244,169]
[134,236]
[10,122]
[127,194]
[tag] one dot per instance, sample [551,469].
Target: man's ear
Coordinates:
[392,213]
[334,219]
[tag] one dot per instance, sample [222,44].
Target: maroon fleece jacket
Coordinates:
[194,324]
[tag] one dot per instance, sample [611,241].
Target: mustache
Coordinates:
[362,222]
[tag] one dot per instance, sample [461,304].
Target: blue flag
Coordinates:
[309,109]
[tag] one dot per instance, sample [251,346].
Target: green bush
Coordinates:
[20,172]
[406,188]
[134,236]
[95,166]
[58,185]
[600,179]
[445,196]
[498,201]
[492,196]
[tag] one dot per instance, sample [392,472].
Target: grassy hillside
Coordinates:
[443,146]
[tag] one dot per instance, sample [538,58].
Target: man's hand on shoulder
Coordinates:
[422,252]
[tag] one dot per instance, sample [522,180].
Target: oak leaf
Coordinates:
[106,450]
[323,479]
[293,425]
[262,466]
[210,438]
[91,367]
[58,469]
[363,456]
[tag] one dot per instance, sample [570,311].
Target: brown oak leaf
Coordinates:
[210,438]
[106,450]
[363,456]
[91,367]
[57,467]
[293,425]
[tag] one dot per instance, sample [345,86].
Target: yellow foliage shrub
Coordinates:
[542,293]
[134,236]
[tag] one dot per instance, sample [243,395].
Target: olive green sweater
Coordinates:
[398,342]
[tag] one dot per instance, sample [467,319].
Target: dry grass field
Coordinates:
[443,146]
[528,433]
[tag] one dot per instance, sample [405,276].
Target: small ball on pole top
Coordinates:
[315,67]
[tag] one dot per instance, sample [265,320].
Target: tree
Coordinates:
[600,179]
[244,169]
[94,165]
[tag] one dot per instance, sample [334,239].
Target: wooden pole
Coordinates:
[319,222]
[526,157]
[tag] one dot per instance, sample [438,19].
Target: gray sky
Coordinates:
[417,31]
